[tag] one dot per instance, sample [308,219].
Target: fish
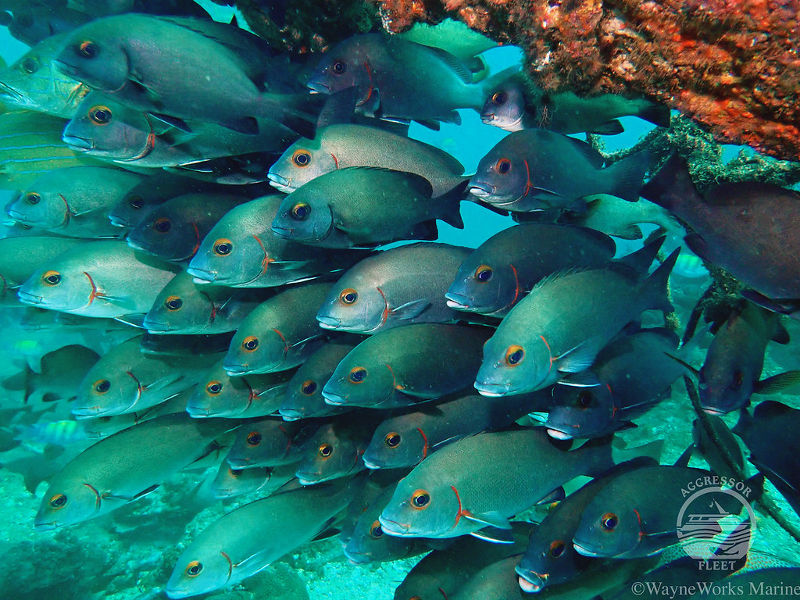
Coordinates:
[20,257]
[714,446]
[242,251]
[621,218]
[405,365]
[341,209]
[394,287]
[303,397]
[279,333]
[127,380]
[728,213]
[246,540]
[519,104]
[230,483]
[107,129]
[33,22]
[173,230]
[267,442]
[33,82]
[124,467]
[501,271]
[154,190]
[220,395]
[181,345]
[731,373]
[629,377]
[97,279]
[536,170]
[445,495]
[406,439]
[183,307]
[73,202]
[636,514]
[160,65]
[343,145]
[769,435]
[559,328]
[398,79]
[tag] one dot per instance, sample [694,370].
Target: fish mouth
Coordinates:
[198,412]
[584,551]
[118,222]
[17,216]
[369,464]
[558,434]
[334,399]
[492,390]
[156,326]
[239,463]
[710,410]
[308,478]
[202,276]
[87,412]
[356,558]
[28,298]
[394,528]
[481,190]
[280,183]
[74,141]
[234,370]
[327,322]
[15,95]
[527,585]
[317,87]
[290,414]
[457,301]
[488,117]
[45,525]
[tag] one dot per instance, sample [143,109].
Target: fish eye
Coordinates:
[557,548]
[420,499]
[136,202]
[514,355]
[392,439]
[33,198]
[738,379]
[51,277]
[375,529]
[223,247]
[300,211]
[609,521]
[58,501]
[30,65]
[483,273]
[301,158]
[101,386]
[253,438]
[584,399]
[162,225]
[87,49]
[213,388]
[193,568]
[357,374]
[100,114]
[325,450]
[173,303]
[308,387]
[338,67]
[348,296]
[503,166]
[499,97]
[250,343]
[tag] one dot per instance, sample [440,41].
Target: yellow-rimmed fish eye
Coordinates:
[101,386]
[609,521]
[213,388]
[162,224]
[514,355]
[173,303]
[253,438]
[499,98]
[502,166]
[348,296]
[136,202]
[223,247]
[483,273]
[250,343]
[58,501]
[30,65]
[301,158]
[338,67]
[101,115]
[193,568]
[375,529]
[325,450]
[87,49]
[392,439]
[51,277]
[557,548]
[420,499]
[585,398]
[300,211]
[357,374]
[32,198]
[308,387]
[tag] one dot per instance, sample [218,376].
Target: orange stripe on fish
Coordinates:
[549,351]
[264,261]
[395,385]
[98,498]
[251,394]
[517,289]
[385,313]
[283,339]
[68,212]
[230,564]
[138,389]
[425,439]
[528,184]
[461,512]
[335,160]
[197,238]
[371,89]
[94,293]
[639,517]
[149,144]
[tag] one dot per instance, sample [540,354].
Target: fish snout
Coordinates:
[327,322]
[394,527]
[530,581]
[481,189]
[29,298]
[492,390]
[78,143]
[202,276]
[280,183]
[318,87]
[333,398]
[558,434]
[584,549]
[290,414]
[457,301]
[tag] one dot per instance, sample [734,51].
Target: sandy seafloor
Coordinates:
[130,553]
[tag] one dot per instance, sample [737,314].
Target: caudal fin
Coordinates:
[655,286]
[451,205]
[641,260]
[626,176]
[671,187]
[657,114]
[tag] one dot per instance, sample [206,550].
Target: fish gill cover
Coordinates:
[305,301]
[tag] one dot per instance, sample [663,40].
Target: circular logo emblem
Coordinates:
[716,523]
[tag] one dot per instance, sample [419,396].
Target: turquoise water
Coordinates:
[130,553]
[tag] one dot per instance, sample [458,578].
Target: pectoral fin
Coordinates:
[777,383]
[410,310]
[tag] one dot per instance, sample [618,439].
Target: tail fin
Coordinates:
[641,260]
[671,187]
[451,205]
[655,286]
[627,175]
[657,114]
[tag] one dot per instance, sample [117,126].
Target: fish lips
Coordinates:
[333,398]
[308,478]
[280,183]
[458,301]
[78,143]
[318,87]
[369,464]
[395,528]
[481,189]
[327,322]
[584,549]
[493,390]
[529,581]
[290,414]
[202,276]
[154,326]
[14,95]
[29,298]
